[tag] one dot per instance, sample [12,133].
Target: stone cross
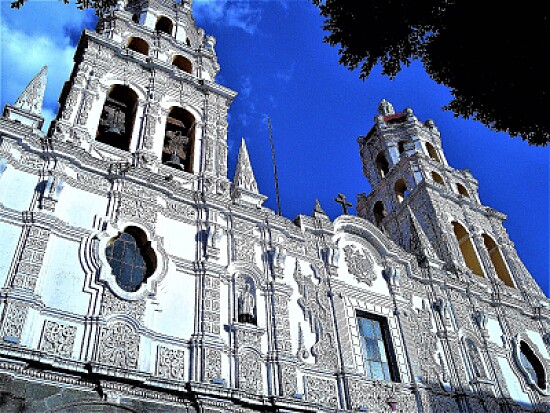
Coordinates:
[341,199]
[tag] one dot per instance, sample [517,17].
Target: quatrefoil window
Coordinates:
[131,258]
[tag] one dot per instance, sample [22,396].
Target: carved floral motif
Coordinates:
[119,346]
[58,338]
[359,265]
[170,363]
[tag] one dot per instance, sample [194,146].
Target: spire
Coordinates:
[244,176]
[245,187]
[32,97]
[27,109]
[318,210]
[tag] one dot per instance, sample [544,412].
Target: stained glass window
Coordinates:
[128,260]
[374,340]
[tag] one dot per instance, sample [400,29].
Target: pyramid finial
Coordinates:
[245,188]
[32,98]
[244,176]
[385,108]
[318,210]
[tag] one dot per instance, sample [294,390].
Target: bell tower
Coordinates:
[431,209]
[143,92]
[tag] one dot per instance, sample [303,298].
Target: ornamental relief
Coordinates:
[118,346]
[321,391]
[250,372]
[58,338]
[359,264]
[375,397]
[171,363]
[315,305]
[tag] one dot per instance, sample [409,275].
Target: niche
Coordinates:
[179,137]
[117,117]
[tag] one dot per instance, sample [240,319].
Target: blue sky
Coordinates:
[272,53]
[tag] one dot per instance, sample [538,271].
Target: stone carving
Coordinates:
[170,363]
[31,258]
[278,259]
[359,265]
[478,368]
[111,304]
[118,346]
[15,314]
[288,380]
[32,97]
[250,372]
[315,307]
[247,305]
[58,338]
[244,249]
[376,396]
[321,391]
[211,305]
[212,363]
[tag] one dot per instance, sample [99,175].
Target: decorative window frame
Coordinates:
[516,351]
[147,288]
[387,338]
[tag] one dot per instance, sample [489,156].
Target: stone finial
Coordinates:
[244,176]
[318,210]
[32,98]
[385,108]
[245,187]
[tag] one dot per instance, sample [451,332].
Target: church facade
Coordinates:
[137,277]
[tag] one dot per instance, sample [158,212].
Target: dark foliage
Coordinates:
[98,5]
[491,55]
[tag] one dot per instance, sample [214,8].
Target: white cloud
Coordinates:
[22,57]
[243,14]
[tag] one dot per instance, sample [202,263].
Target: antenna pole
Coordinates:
[274,167]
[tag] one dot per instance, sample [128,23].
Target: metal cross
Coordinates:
[341,199]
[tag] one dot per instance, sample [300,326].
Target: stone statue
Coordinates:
[247,305]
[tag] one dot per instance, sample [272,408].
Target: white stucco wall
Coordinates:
[10,237]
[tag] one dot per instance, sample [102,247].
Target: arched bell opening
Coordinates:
[379,212]
[438,179]
[179,139]
[462,190]
[432,152]
[182,63]
[164,25]
[117,117]
[467,249]
[498,261]
[401,190]
[139,45]
[382,165]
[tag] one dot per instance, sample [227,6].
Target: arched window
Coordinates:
[382,165]
[179,138]
[467,249]
[117,117]
[432,152]
[136,17]
[462,190]
[532,365]
[182,63]
[401,190]
[379,212]
[165,25]
[498,260]
[437,178]
[139,45]
[401,147]
[131,258]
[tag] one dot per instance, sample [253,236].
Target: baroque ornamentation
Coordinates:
[250,372]
[119,346]
[15,314]
[58,338]
[359,265]
[321,391]
[111,304]
[170,363]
